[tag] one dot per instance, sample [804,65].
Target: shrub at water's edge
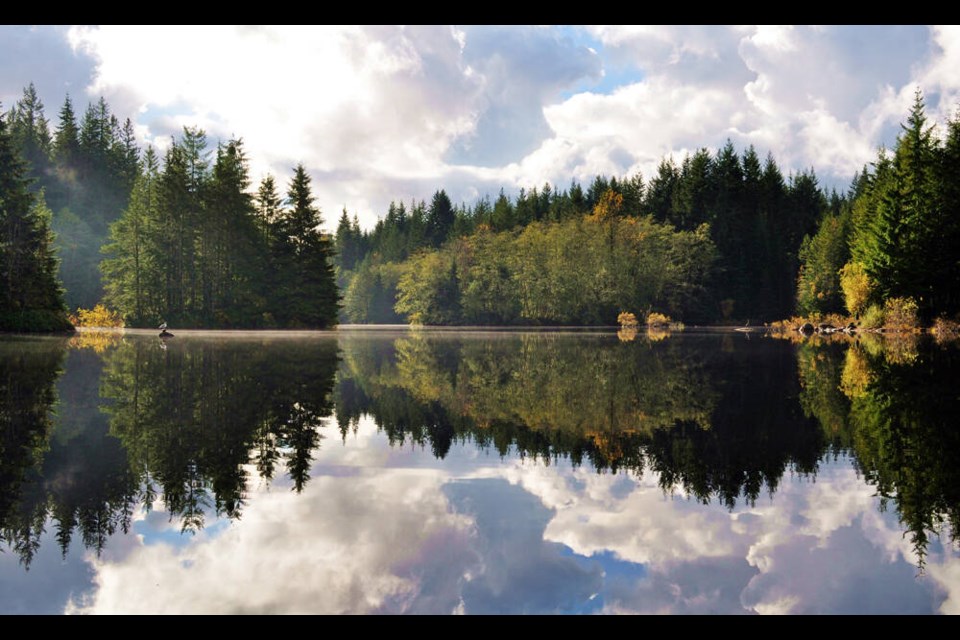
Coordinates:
[100,316]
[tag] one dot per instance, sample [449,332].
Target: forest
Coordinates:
[720,237]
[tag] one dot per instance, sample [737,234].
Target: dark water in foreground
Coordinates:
[470,472]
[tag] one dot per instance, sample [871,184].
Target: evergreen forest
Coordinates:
[720,236]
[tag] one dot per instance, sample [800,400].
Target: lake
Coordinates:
[492,472]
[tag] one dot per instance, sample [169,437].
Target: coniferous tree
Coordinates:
[306,286]
[347,243]
[659,199]
[66,140]
[899,225]
[268,203]
[944,256]
[440,218]
[130,266]
[31,297]
[234,271]
[688,195]
[821,258]
[31,133]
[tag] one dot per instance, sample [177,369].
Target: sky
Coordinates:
[381,113]
[384,528]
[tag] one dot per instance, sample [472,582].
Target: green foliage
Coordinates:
[440,219]
[195,248]
[349,243]
[133,281]
[304,285]
[429,289]
[28,371]
[31,297]
[753,217]
[900,215]
[371,294]
[574,272]
[778,243]
[821,258]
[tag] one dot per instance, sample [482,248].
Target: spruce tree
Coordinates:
[66,140]
[306,288]
[234,267]
[900,226]
[31,298]
[440,218]
[129,267]
[31,131]
[946,254]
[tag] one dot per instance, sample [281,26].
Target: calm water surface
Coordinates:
[478,472]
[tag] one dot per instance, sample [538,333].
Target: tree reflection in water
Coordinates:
[718,418]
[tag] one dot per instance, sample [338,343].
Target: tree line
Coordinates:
[183,238]
[195,248]
[178,239]
[723,230]
[896,238]
[31,297]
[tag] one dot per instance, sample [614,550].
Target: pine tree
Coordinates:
[440,218]
[31,132]
[689,202]
[66,140]
[306,289]
[268,204]
[661,191]
[126,157]
[31,297]
[773,209]
[172,234]
[348,242]
[131,279]
[233,272]
[899,225]
[945,255]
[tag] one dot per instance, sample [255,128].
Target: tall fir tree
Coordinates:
[233,265]
[66,140]
[31,132]
[945,253]
[900,225]
[129,269]
[31,298]
[306,293]
[440,218]
[268,204]
[348,242]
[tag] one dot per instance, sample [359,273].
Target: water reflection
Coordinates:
[894,401]
[712,422]
[734,475]
[137,424]
[28,370]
